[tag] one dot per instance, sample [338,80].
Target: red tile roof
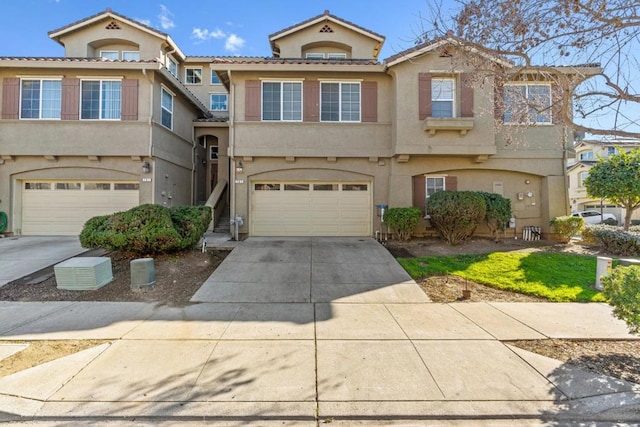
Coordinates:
[326,13]
[105,12]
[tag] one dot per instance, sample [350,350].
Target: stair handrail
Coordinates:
[217,201]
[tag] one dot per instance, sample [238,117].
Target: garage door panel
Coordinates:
[313,209]
[64,211]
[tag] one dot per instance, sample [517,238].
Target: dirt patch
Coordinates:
[450,289]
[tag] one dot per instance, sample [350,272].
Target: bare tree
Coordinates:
[601,96]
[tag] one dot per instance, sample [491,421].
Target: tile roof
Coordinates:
[107,12]
[326,13]
[71,59]
[275,60]
[212,120]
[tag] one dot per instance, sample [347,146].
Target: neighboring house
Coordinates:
[310,140]
[587,154]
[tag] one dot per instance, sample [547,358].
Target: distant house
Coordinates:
[587,154]
[306,142]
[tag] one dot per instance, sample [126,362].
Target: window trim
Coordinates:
[164,90]
[281,82]
[454,105]
[426,189]
[186,70]
[100,80]
[171,64]
[529,122]
[218,83]
[211,95]
[40,79]
[102,52]
[340,83]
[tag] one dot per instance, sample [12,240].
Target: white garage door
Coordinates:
[62,207]
[311,209]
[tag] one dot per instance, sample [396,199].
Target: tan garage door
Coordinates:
[62,207]
[310,209]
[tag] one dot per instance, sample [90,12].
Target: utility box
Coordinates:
[143,273]
[83,273]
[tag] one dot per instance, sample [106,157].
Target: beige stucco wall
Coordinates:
[342,39]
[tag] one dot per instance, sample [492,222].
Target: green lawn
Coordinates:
[556,276]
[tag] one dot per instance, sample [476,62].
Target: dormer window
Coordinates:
[337,56]
[111,55]
[315,55]
[131,55]
[172,66]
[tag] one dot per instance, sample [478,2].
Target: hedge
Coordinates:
[456,214]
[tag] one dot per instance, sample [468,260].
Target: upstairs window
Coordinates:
[443,97]
[218,102]
[339,102]
[193,76]
[587,156]
[611,151]
[131,55]
[111,55]
[172,66]
[167,109]
[100,99]
[527,103]
[336,56]
[215,80]
[282,101]
[40,99]
[582,177]
[314,55]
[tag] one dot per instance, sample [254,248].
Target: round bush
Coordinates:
[456,214]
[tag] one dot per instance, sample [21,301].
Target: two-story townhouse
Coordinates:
[104,128]
[322,132]
[587,154]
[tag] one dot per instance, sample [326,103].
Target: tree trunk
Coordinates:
[627,218]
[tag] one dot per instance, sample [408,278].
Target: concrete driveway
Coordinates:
[24,255]
[310,270]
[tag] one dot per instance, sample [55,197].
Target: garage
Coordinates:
[62,207]
[311,209]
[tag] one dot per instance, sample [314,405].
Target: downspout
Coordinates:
[231,153]
[150,126]
[193,163]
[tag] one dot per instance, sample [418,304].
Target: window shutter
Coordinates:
[70,99]
[129,99]
[369,102]
[556,104]
[466,95]
[451,183]
[252,101]
[10,98]
[498,101]
[419,192]
[424,95]
[311,99]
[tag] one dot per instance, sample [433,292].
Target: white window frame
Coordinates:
[336,56]
[587,155]
[213,152]
[452,100]
[164,90]
[547,111]
[581,177]
[314,55]
[340,83]
[211,95]
[172,66]
[100,80]
[213,74]
[40,79]
[103,52]
[125,52]
[426,188]
[282,83]
[186,71]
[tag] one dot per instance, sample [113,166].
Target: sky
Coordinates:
[207,28]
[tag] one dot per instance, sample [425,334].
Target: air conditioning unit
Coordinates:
[83,273]
[143,274]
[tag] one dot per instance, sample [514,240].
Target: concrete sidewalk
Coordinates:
[351,348]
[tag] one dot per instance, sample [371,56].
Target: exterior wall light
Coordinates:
[239,167]
[146,167]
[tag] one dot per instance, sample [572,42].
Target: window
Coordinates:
[125,186]
[442,97]
[40,99]
[587,156]
[314,55]
[90,186]
[215,80]
[611,151]
[325,187]
[167,109]
[131,56]
[193,76]
[68,186]
[37,186]
[337,55]
[100,99]
[296,187]
[527,103]
[355,187]
[218,102]
[583,176]
[434,184]
[339,102]
[267,187]
[172,66]
[282,101]
[213,152]
[111,55]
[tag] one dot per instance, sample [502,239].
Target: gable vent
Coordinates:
[113,25]
[326,29]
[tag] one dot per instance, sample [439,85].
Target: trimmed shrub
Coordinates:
[456,214]
[567,226]
[622,288]
[498,212]
[402,221]
[147,229]
[614,239]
